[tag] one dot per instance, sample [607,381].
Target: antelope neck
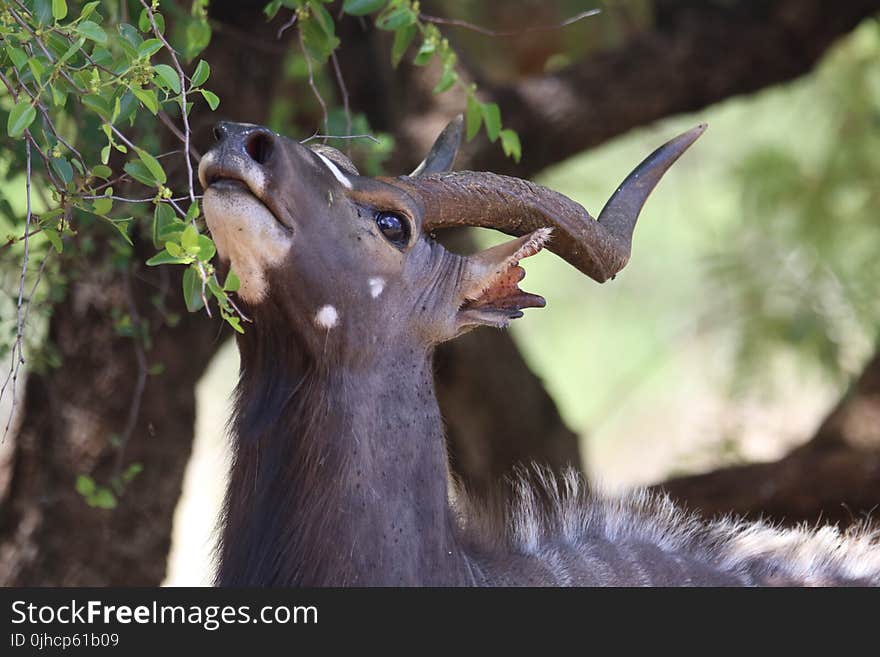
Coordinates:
[339,476]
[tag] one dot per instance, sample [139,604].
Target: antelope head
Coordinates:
[348,263]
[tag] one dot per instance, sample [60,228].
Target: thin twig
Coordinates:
[286,26]
[312,81]
[455,22]
[238,310]
[343,90]
[29,137]
[186,130]
[318,135]
[134,408]
[16,240]
[17,349]
[123,199]
[166,120]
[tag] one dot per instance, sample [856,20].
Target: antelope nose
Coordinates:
[253,141]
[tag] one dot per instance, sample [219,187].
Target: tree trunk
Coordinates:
[48,534]
[834,478]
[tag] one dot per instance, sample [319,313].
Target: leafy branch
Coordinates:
[318,40]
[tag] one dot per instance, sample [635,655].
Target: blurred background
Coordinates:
[733,363]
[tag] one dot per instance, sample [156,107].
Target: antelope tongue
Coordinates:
[492,281]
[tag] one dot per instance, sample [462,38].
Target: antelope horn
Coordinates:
[599,248]
[442,153]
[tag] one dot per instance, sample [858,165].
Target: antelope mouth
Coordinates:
[497,293]
[231,178]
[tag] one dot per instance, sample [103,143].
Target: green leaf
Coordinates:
[85,485]
[18,56]
[102,206]
[147,97]
[164,219]
[37,69]
[149,48]
[42,11]
[448,79]
[192,212]
[402,38]
[59,9]
[234,322]
[144,21]
[216,290]
[190,238]
[102,171]
[201,74]
[198,36]
[144,24]
[139,172]
[20,118]
[105,154]
[131,472]
[206,248]
[174,249]
[491,119]
[473,117]
[92,31]
[72,50]
[395,17]
[59,98]
[510,144]
[165,258]
[122,226]
[362,7]
[324,20]
[211,98]
[152,165]
[54,239]
[425,53]
[192,290]
[88,9]
[272,8]
[317,43]
[98,105]
[62,167]
[102,499]
[232,282]
[168,76]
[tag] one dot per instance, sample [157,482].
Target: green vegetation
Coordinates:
[756,255]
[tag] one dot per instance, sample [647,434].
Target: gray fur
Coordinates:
[643,539]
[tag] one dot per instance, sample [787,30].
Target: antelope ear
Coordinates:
[489,290]
[442,154]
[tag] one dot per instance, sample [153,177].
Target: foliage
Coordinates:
[801,272]
[88,91]
[403,20]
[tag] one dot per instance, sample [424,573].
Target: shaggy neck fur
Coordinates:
[339,476]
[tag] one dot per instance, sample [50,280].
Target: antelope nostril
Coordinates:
[259,146]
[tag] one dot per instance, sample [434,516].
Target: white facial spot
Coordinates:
[377,284]
[327,317]
[336,172]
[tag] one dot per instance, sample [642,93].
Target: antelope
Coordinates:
[340,475]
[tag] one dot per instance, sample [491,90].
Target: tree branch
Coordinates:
[698,54]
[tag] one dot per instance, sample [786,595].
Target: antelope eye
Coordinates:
[394,227]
